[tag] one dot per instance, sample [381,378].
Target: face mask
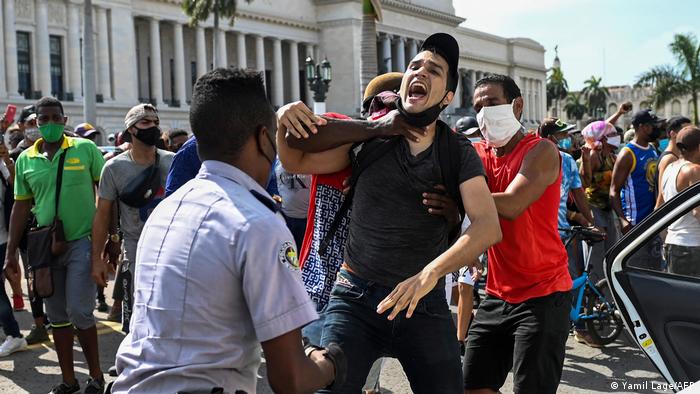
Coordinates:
[474,139]
[272,161]
[423,118]
[565,144]
[576,154]
[148,136]
[498,124]
[663,144]
[655,134]
[32,134]
[51,132]
[614,141]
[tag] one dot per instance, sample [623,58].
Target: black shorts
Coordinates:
[529,338]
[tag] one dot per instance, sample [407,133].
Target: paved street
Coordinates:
[586,369]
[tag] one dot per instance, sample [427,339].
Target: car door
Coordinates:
[660,309]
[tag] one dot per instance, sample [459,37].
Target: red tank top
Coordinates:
[530,261]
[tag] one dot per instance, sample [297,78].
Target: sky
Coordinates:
[613,39]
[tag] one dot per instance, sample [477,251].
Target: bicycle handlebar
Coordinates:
[585,233]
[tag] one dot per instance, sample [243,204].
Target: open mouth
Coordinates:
[417,91]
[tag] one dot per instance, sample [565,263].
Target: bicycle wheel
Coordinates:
[608,325]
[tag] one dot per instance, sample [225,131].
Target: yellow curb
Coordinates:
[103,327]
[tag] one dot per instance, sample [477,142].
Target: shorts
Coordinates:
[73,299]
[529,338]
[682,260]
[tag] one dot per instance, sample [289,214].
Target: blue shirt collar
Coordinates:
[224,170]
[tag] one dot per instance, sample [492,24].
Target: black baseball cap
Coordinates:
[554,125]
[26,111]
[446,46]
[467,125]
[646,116]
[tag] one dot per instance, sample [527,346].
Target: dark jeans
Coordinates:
[7,318]
[425,344]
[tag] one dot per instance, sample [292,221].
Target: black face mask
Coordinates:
[149,136]
[655,134]
[423,118]
[273,147]
[576,154]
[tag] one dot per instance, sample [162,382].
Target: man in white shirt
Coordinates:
[216,269]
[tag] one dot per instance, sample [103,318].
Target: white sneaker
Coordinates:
[12,345]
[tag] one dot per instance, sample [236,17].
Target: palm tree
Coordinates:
[371,13]
[596,96]
[670,82]
[199,11]
[574,108]
[557,88]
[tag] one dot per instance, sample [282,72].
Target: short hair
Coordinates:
[688,139]
[228,106]
[47,101]
[177,133]
[676,123]
[510,88]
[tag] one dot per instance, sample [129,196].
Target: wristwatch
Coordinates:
[115,238]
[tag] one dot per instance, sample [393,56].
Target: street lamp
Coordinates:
[319,77]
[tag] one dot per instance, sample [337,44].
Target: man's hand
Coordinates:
[626,225]
[11,268]
[112,252]
[393,124]
[4,123]
[625,107]
[99,270]
[296,116]
[439,203]
[478,271]
[407,294]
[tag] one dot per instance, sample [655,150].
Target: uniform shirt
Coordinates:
[216,273]
[35,177]
[638,193]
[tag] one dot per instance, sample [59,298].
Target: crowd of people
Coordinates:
[332,242]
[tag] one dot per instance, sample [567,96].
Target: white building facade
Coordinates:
[146,52]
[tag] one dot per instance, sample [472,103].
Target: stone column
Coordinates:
[105,85]
[42,47]
[220,43]
[294,69]
[3,86]
[201,51]
[400,63]
[531,101]
[457,99]
[260,55]
[73,47]
[309,50]
[124,68]
[412,48]
[277,73]
[11,50]
[386,52]
[156,64]
[240,49]
[179,64]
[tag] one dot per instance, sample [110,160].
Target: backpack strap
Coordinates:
[369,152]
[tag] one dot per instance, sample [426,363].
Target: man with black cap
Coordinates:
[632,190]
[397,254]
[135,180]
[28,128]
[469,126]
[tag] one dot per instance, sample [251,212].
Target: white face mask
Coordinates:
[32,134]
[614,141]
[498,124]
[474,139]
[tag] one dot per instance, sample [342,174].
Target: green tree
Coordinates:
[557,87]
[574,108]
[199,11]
[371,14]
[596,96]
[669,82]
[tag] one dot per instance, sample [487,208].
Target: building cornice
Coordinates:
[426,13]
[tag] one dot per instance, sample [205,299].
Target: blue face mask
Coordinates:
[663,144]
[565,144]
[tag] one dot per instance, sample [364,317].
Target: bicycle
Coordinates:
[598,312]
